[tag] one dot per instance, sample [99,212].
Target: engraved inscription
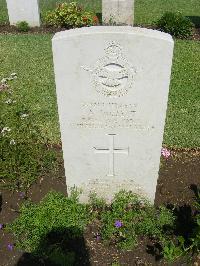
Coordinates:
[112,75]
[109,115]
[111,151]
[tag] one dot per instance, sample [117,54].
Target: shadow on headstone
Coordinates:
[58,247]
[195,20]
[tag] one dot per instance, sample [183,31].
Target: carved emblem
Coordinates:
[112,75]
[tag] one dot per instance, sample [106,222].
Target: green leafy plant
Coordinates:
[97,204]
[58,257]
[44,229]
[70,15]
[22,26]
[195,238]
[131,216]
[115,263]
[24,154]
[173,251]
[175,24]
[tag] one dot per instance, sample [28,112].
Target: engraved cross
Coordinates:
[111,151]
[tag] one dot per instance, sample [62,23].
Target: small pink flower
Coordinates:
[165,153]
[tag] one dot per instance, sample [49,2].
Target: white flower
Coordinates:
[9,101]
[12,142]
[4,80]
[4,130]
[23,116]
[14,75]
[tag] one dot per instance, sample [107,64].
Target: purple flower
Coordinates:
[98,237]
[165,153]
[1,226]
[10,247]
[118,224]
[22,194]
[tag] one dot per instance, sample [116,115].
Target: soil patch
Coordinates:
[7,29]
[179,177]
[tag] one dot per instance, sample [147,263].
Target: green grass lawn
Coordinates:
[146,11]
[183,117]
[31,58]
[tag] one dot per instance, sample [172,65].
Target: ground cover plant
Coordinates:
[46,229]
[130,216]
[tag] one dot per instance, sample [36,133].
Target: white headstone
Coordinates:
[112,89]
[118,12]
[23,10]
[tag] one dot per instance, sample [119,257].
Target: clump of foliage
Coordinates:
[177,247]
[175,24]
[196,232]
[22,26]
[130,216]
[97,204]
[173,249]
[24,156]
[70,15]
[44,229]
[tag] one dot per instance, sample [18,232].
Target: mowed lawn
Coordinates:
[30,56]
[146,11]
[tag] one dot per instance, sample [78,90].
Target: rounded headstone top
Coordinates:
[115,30]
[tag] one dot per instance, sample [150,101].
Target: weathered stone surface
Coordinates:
[24,10]
[112,88]
[118,12]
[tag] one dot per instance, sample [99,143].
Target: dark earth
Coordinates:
[179,177]
[7,29]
